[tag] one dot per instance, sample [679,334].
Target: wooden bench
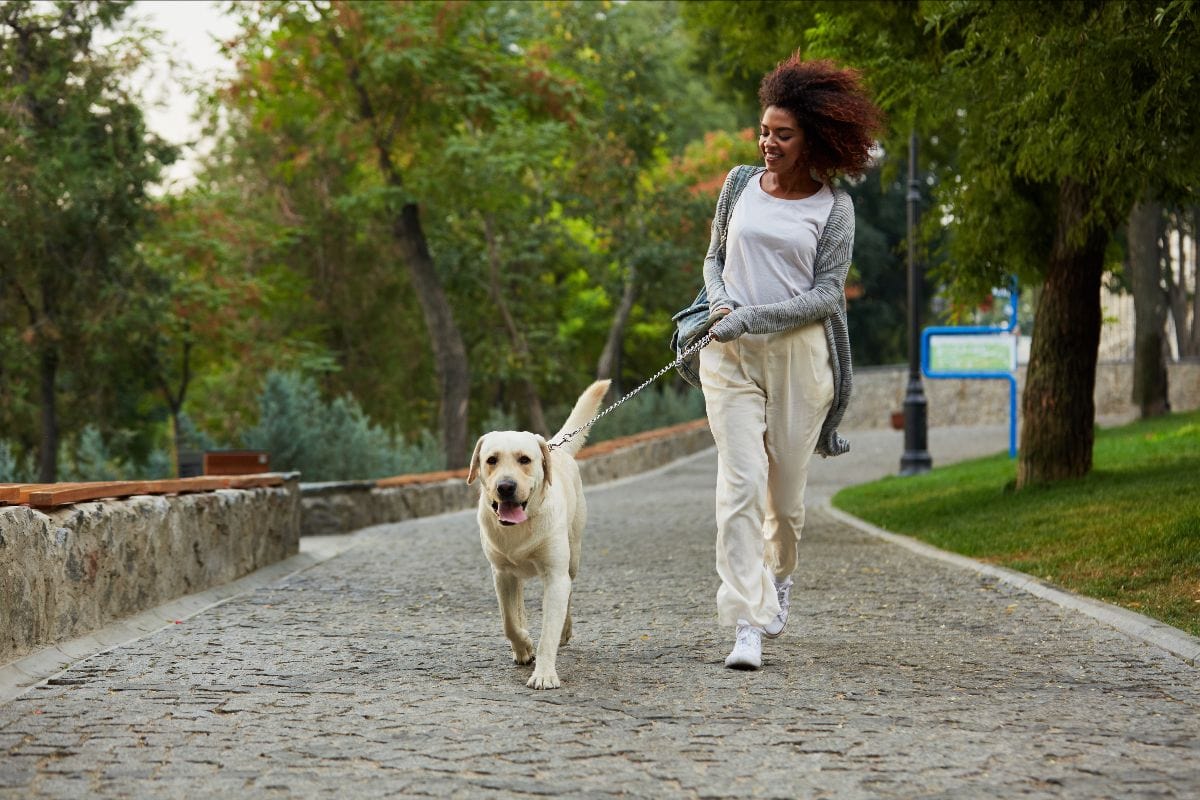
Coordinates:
[50,495]
[236,462]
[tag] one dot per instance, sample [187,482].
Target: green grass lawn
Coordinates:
[1128,533]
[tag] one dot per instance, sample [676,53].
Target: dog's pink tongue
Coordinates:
[511,512]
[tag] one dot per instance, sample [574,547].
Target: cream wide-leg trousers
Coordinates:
[767,396]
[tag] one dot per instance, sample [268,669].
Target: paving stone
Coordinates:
[383,672]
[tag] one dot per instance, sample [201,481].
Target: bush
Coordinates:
[12,468]
[88,457]
[192,437]
[330,441]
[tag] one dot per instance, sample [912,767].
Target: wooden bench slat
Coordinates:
[422,477]
[80,492]
[254,481]
[11,492]
[49,495]
[29,488]
[185,485]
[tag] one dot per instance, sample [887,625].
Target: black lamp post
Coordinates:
[916,434]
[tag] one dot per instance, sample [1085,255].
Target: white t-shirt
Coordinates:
[772,245]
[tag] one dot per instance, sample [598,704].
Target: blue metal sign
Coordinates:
[976,351]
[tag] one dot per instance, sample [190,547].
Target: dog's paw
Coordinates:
[523,653]
[543,680]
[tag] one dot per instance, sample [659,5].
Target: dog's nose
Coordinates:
[507,489]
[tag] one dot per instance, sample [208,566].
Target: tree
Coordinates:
[1183,289]
[218,318]
[1076,105]
[78,159]
[379,85]
[1058,113]
[647,103]
[503,239]
[1145,263]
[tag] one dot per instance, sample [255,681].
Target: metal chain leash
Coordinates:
[694,348]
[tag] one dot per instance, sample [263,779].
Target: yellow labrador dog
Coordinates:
[531,518]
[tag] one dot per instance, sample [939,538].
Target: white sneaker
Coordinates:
[784,590]
[747,648]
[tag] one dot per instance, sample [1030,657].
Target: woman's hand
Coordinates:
[716,314]
[729,325]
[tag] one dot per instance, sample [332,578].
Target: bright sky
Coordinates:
[191,30]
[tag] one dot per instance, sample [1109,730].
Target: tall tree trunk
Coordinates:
[533,402]
[175,400]
[48,451]
[1057,405]
[1187,319]
[1193,340]
[1176,294]
[449,353]
[1149,308]
[609,365]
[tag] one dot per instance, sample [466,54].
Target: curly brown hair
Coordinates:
[831,104]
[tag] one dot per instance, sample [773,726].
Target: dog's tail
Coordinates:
[585,408]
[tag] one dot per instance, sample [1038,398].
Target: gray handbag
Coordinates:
[692,322]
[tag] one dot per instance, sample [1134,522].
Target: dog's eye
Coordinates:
[492,460]
[524,460]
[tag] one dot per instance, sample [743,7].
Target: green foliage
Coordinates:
[878,317]
[327,441]
[13,468]
[90,455]
[1021,96]
[192,437]
[224,303]
[560,154]
[1128,533]
[77,163]
[1048,120]
[89,459]
[538,140]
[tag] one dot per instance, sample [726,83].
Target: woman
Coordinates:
[777,377]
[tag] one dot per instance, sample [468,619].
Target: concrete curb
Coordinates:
[1138,626]
[24,674]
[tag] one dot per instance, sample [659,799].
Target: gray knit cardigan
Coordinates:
[825,302]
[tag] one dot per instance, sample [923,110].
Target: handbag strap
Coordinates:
[738,181]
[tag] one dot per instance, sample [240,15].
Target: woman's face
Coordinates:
[781,141]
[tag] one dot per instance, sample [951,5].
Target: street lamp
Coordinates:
[916,457]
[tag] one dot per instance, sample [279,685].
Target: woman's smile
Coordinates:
[780,140]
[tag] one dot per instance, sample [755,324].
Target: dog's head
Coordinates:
[513,468]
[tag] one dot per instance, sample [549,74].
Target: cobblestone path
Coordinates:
[383,672]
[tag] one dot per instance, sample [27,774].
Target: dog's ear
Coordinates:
[545,459]
[473,472]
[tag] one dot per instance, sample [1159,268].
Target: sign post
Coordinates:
[977,351]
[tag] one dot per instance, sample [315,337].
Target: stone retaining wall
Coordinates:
[69,571]
[878,391]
